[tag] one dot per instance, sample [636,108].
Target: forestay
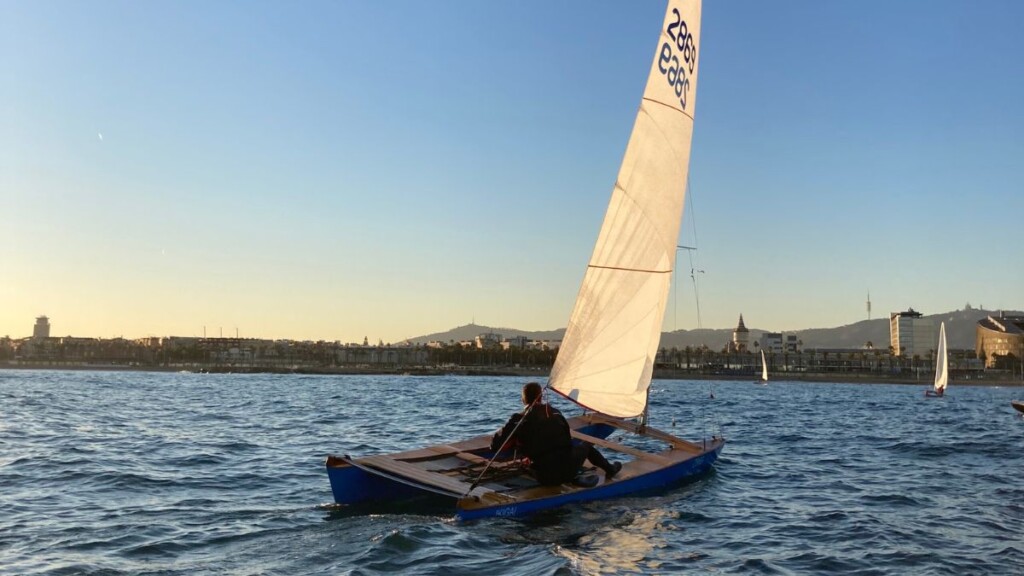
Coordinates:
[607,356]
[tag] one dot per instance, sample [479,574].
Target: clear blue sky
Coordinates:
[335,170]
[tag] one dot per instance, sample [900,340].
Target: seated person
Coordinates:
[543,436]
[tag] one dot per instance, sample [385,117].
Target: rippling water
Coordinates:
[146,473]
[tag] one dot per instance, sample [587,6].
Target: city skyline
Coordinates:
[854,335]
[341,171]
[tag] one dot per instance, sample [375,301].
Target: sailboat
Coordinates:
[606,359]
[764,369]
[941,366]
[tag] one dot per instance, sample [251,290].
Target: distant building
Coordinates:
[771,342]
[42,328]
[1000,339]
[518,342]
[793,344]
[911,335]
[778,343]
[488,340]
[740,338]
[543,344]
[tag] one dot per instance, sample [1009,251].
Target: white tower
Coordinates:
[41,329]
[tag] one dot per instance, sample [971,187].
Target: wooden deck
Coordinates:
[406,470]
[640,454]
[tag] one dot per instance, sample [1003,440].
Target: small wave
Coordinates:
[890,500]
[792,438]
[1010,553]
[831,516]
[198,460]
[818,563]
[760,566]
[921,449]
[162,549]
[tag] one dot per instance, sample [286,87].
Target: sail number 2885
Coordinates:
[678,58]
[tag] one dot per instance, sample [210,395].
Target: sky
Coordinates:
[348,169]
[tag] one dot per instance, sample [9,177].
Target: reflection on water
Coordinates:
[623,546]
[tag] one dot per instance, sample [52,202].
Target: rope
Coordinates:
[503,444]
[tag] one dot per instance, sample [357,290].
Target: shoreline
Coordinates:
[809,377]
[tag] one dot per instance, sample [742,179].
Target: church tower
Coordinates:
[740,337]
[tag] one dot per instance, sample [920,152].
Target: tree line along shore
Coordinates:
[538,372]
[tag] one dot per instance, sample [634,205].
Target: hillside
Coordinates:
[960,333]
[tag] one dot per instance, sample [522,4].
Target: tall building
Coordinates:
[1000,337]
[42,328]
[911,335]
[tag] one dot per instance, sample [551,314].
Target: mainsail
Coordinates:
[764,367]
[941,362]
[607,356]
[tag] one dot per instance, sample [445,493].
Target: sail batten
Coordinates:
[630,269]
[606,359]
[667,105]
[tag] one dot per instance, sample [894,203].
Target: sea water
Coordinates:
[167,473]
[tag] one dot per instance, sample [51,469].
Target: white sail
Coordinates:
[606,358]
[764,367]
[941,361]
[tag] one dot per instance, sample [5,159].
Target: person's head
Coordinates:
[531,392]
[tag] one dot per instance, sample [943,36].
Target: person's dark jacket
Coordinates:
[545,439]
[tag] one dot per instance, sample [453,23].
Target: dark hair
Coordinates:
[531,392]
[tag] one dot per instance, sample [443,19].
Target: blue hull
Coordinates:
[413,475]
[661,478]
[351,485]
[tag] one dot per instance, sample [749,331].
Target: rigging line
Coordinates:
[693,276]
[704,420]
[693,267]
[503,444]
[693,215]
[675,283]
[696,295]
[675,292]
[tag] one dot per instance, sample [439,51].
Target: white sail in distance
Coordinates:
[941,361]
[607,356]
[764,367]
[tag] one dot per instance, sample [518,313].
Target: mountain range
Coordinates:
[960,333]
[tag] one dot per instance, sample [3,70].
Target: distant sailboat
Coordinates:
[941,366]
[764,369]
